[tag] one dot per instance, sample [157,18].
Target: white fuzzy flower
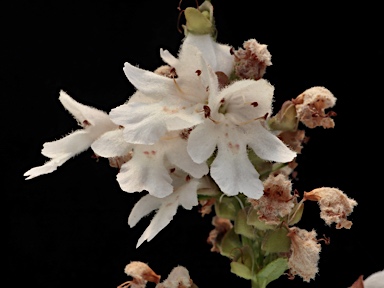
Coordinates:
[177,103]
[375,280]
[234,121]
[94,122]
[216,55]
[148,167]
[184,194]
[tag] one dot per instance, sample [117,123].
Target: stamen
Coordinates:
[207,113]
[125,284]
[327,240]
[177,86]
[181,12]
[254,119]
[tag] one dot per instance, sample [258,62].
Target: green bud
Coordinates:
[276,241]
[197,22]
[241,225]
[253,219]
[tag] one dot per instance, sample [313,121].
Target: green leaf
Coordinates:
[227,207]
[253,219]
[241,270]
[276,241]
[230,245]
[242,227]
[272,271]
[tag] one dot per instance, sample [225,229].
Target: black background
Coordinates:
[69,228]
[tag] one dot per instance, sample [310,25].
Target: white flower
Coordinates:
[184,194]
[177,102]
[375,280]
[150,166]
[234,121]
[94,123]
[217,56]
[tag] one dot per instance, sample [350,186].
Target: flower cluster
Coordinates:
[200,129]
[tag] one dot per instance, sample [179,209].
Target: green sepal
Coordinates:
[227,207]
[230,245]
[262,167]
[271,272]
[296,214]
[276,241]
[241,225]
[286,119]
[253,219]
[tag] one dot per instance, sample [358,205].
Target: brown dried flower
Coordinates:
[277,200]
[222,226]
[335,206]
[305,253]
[311,105]
[178,278]
[141,274]
[252,61]
[294,139]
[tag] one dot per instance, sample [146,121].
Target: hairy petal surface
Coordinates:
[267,146]
[146,171]
[185,195]
[216,55]
[111,144]
[232,170]
[95,123]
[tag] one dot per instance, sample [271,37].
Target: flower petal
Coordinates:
[168,58]
[48,167]
[82,113]
[177,154]
[146,171]
[143,123]
[184,195]
[205,45]
[246,99]
[147,82]
[111,144]
[218,56]
[142,208]
[162,218]
[267,146]
[71,144]
[188,194]
[202,141]
[232,170]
